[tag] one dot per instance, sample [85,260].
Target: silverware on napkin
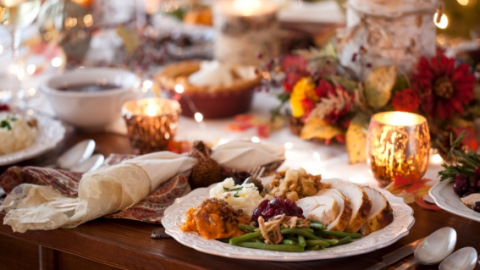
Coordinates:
[396,255]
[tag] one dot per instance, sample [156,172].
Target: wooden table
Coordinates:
[113,244]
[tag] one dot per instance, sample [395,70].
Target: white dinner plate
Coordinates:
[444,196]
[175,216]
[49,133]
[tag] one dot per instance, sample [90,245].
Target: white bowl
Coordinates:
[91,111]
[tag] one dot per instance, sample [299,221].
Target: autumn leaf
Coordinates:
[411,189]
[379,85]
[316,127]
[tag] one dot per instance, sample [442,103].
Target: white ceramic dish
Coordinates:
[444,196]
[50,132]
[90,110]
[175,216]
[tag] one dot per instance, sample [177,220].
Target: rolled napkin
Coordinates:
[102,192]
[246,155]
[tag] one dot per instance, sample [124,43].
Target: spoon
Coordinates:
[77,154]
[462,259]
[91,164]
[434,248]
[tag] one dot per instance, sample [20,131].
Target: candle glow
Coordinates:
[398,144]
[151,109]
[247,7]
[151,123]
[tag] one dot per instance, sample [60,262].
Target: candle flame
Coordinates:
[150,110]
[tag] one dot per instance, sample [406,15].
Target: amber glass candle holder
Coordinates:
[151,123]
[398,144]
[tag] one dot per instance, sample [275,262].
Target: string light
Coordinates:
[31,69]
[255,139]
[443,22]
[198,117]
[463,2]
[88,20]
[56,62]
[436,159]
[147,85]
[288,145]
[179,88]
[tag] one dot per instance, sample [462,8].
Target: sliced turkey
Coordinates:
[321,207]
[328,206]
[359,202]
[381,213]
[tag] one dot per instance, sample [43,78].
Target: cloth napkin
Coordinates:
[139,188]
[105,191]
[246,155]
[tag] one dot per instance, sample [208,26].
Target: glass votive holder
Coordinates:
[398,144]
[151,123]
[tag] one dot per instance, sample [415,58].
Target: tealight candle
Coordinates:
[151,123]
[84,3]
[245,30]
[398,144]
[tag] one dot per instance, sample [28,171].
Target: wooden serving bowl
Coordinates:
[212,102]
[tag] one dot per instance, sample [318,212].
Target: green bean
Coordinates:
[316,247]
[342,234]
[276,247]
[332,242]
[318,226]
[345,240]
[243,238]
[301,240]
[248,228]
[288,242]
[303,231]
[318,242]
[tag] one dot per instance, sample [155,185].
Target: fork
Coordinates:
[257,172]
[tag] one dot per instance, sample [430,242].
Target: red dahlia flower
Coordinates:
[443,88]
[406,100]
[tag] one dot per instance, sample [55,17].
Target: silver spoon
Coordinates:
[91,164]
[434,248]
[462,259]
[77,154]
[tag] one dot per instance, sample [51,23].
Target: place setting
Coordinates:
[250,133]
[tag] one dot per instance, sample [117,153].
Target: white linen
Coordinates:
[246,155]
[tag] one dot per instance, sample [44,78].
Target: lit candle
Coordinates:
[398,144]
[151,123]
[84,3]
[246,29]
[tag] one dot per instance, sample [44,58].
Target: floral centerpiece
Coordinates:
[325,102]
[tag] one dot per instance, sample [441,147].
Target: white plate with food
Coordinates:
[175,216]
[49,133]
[444,196]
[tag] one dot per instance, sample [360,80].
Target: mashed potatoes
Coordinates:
[245,196]
[15,133]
